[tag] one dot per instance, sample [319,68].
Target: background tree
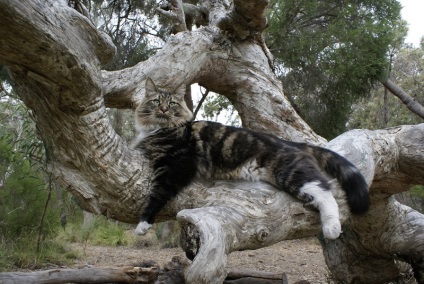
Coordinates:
[56,67]
[329,54]
[379,110]
[28,210]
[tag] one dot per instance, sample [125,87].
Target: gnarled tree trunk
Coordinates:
[55,55]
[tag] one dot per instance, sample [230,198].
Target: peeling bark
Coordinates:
[54,56]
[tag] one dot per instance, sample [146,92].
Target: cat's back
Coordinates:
[219,134]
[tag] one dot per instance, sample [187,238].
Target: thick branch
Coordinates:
[409,101]
[27,20]
[246,19]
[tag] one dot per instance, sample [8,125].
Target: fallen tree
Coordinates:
[55,55]
[147,272]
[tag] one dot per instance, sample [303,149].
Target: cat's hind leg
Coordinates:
[324,201]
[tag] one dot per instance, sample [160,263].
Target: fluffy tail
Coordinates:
[351,180]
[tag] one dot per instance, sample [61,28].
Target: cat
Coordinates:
[180,150]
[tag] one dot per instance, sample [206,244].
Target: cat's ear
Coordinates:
[150,87]
[181,90]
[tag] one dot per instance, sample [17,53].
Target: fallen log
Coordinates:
[243,276]
[147,272]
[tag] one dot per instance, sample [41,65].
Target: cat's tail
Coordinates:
[349,177]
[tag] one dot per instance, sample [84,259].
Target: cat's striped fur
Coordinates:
[180,150]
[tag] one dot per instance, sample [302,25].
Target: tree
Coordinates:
[55,56]
[380,110]
[330,54]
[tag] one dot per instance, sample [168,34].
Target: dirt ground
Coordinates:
[299,259]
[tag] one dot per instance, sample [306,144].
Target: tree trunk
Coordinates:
[54,56]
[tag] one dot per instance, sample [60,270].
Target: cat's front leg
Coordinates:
[142,228]
[153,205]
[160,194]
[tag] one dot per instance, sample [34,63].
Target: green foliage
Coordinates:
[21,253]
[112,233]
[23,190]
[21,201]
[97,231]
[133,27]
[25,238]
[219,108]
[382,109]
[418,191]
[330,53]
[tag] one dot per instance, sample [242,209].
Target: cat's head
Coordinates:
[161,108]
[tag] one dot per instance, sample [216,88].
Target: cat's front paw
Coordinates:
[142,228]
[331,230]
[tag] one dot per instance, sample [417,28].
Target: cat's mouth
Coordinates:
[163,115]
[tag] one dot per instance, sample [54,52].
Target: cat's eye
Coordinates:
[156,102]
[171,104]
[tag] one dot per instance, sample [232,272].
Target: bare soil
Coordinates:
[299,259]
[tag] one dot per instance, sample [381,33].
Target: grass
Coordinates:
[98,231]
[112,234]
[22,254]
[418,191]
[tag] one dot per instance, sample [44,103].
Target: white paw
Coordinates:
[331,230]
[142,228]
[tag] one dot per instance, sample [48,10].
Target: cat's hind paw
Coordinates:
[331,230]
[142,228]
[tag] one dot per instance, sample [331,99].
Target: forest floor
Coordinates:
[299,259]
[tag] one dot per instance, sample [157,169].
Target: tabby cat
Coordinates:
[180,150]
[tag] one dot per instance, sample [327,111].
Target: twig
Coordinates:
[199,105]
[40,227]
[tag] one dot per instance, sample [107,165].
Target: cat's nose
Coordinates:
[164,109]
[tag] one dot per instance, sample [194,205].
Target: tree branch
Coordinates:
[406,99]
[175,12]
[199,105]
[246,19]
[198,14]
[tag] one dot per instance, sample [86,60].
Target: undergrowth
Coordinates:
[22,254]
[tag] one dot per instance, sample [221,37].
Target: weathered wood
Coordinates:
[149,272]
[247,276]
[128,274]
